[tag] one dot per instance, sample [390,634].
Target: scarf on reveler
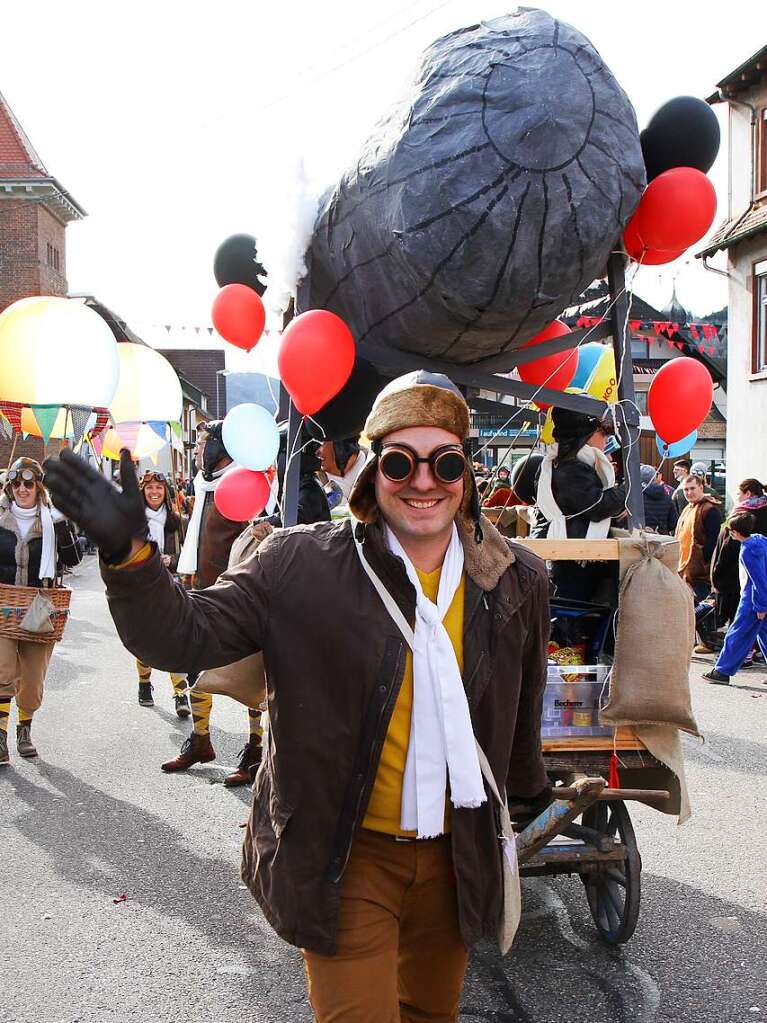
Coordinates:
[25,517]
[549,508]
[442,747]
[156,521]
[187,562]
[751,504]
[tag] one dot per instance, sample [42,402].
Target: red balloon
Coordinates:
[242,494]
[239,316]
[676,209]
[316,359]
[679,398]
[554,371]
[636,250]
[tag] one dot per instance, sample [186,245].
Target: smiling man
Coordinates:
[373,843]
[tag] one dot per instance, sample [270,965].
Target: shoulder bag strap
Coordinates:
[402,623]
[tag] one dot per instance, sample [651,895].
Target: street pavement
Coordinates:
[93,819]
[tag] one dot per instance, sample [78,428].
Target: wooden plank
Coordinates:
[573,550]
[625,739]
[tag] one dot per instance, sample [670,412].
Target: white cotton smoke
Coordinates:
[286,210]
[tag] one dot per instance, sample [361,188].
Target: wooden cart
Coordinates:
[587,830]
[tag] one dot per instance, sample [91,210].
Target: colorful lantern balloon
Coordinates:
[250,436]
[139,438]
[676,209]
[149,388]
[588,356]
[242,495]
[679,398]
[316,358]
[239,315]
[603,382]
[56,351]
[553,371]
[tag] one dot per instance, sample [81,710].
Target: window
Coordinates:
[641,402]
[761,152]
[759,347]
[54,259]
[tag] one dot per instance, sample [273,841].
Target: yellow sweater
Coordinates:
[384,808]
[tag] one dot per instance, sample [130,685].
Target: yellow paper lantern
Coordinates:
[140,439]
[56,351]
[149,389]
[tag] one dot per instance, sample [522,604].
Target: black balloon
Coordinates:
[344,416]
[236,262]
[523,477]
[682,133]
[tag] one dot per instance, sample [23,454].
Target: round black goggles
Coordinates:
[398,463]
[23,475]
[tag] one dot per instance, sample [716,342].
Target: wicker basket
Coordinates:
[14,601]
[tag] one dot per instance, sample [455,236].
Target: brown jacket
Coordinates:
[217,535]
[334,663]
[691,531]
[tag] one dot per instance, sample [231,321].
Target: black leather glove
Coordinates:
[109,518]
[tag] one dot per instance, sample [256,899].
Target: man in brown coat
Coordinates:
[697,531]
[377,855]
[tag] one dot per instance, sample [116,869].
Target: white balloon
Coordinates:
[56,351]
[250,436]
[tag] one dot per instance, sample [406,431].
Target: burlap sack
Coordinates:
[244,680]
[655,634]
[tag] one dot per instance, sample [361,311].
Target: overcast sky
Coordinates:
[160,117]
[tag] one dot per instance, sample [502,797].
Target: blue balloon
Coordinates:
[250,436]
[679,447]
[588,356]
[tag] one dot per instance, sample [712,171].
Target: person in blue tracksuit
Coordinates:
[750,622]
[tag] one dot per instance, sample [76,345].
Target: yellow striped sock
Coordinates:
[202,704]
[25,718]
[254,723]
[144,672]
[178,682]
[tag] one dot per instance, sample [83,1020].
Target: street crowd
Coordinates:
[390,653]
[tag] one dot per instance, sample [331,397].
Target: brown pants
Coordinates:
[400,956]
[22,671]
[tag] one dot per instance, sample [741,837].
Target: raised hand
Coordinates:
[112,520]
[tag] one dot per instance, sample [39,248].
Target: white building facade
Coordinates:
[743,236]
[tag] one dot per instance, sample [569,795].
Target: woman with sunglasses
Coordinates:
[35,540]
[164,524]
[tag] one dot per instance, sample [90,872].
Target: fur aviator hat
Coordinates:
[415,399]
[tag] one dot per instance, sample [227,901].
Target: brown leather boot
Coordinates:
[196,750]
[250,758]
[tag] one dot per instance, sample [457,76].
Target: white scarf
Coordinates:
[25,518]
[549,508]
[157,520]
[347,481]
[442,745]
[187,562]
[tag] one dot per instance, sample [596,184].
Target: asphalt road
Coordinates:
[94,819]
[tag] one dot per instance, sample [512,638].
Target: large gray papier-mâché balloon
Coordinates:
[490,198]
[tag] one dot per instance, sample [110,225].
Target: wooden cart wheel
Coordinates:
[613,893]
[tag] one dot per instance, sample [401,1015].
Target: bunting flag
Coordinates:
[128,433]
[160,428]
[6,430]
[80,418]
[12,412]
[102,421]
[175,429]
[97,443]
[45,417]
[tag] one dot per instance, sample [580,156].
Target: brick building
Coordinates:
[34,212]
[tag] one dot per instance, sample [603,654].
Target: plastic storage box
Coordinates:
[574,693]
